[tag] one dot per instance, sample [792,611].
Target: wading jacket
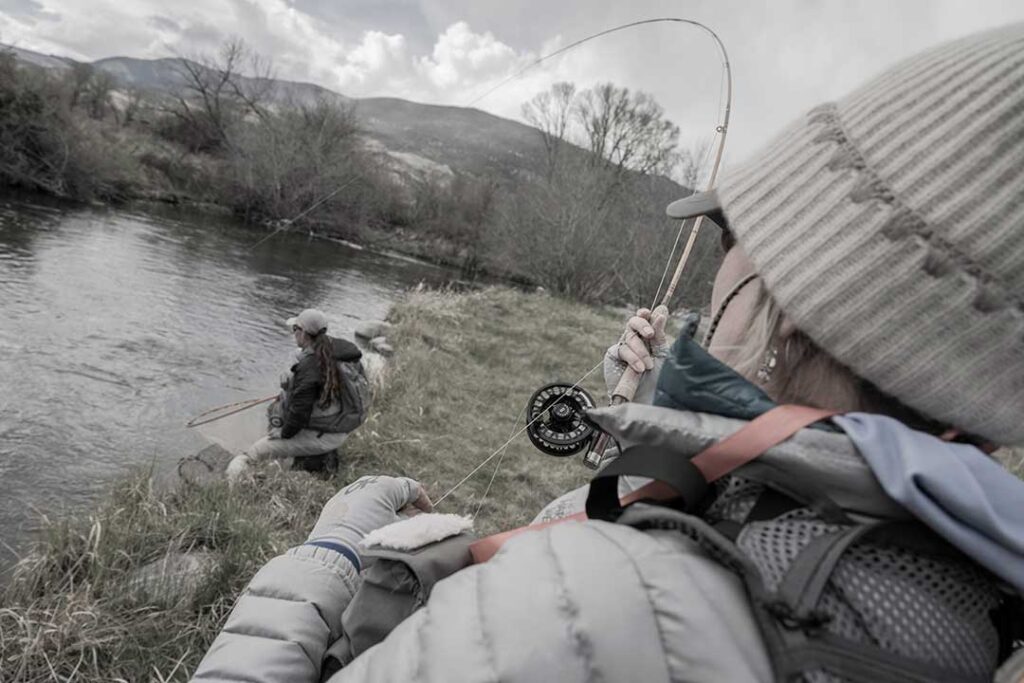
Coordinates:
[300,397]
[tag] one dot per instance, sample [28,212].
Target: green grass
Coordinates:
[464,368]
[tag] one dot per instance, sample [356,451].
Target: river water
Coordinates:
[118,326]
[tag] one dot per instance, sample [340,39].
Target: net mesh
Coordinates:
[933,609]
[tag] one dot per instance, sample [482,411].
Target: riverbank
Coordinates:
[464,367]
[463,370]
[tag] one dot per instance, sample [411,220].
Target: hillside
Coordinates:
[463,139]
[454,185]
[466,140]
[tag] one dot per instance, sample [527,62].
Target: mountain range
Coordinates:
[426,137]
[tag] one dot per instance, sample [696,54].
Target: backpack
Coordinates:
[819,578]
[355,398]
[354,406]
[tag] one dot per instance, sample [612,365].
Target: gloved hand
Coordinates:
[364,505]
[644,339]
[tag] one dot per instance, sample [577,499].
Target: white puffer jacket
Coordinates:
[574,602]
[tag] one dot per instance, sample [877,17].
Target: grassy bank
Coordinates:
[465,366]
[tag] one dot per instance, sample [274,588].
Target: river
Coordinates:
[119,325]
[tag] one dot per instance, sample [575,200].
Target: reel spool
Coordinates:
[556,419]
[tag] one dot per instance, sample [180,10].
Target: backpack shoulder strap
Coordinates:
[689,478]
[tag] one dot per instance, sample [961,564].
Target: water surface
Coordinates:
[117,326]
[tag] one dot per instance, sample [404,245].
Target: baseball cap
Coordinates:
[312,321]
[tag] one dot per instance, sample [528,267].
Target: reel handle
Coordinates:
[624,392]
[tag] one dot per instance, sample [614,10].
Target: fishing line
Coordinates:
[668,264]
[287,223]
[512,438]
[511,435]
[593,36]
[505,445]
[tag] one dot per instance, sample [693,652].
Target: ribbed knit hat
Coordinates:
[889,226]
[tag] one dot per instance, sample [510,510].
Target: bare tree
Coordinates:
[594,227]
[690,164]
[623,130]
[551,113]
[215,94]
[627,130]
[287,162]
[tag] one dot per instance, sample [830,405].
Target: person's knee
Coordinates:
[262,449]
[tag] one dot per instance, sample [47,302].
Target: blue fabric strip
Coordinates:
[962,494]
[344,550]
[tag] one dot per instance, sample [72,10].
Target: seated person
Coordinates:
[323,398]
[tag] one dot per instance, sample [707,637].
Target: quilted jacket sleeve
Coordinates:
[578,602]
[284,621]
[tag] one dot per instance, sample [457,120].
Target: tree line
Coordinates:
[587,224]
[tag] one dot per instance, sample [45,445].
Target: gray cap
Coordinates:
[312,321]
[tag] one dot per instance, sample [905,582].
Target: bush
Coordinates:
[595,234]
[304,164]
[44,146]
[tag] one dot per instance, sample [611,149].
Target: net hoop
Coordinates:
[220,412]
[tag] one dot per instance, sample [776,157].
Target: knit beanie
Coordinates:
[889,227]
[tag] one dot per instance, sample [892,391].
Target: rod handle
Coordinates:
[625,390]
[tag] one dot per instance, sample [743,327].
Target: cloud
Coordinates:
[787,55]
[379,61]
[462,57]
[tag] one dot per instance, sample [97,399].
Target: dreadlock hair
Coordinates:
[323,349]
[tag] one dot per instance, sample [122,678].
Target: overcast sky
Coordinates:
[786,55]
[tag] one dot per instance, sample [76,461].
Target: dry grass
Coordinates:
[465,366]
[67,615]
[464,369]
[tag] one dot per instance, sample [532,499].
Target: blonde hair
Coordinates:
[805,374]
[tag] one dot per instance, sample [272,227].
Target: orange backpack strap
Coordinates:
[674,477]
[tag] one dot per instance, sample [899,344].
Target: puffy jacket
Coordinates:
[299,404]
[577,602]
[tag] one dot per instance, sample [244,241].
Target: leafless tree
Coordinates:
[627,130]
[691,163]
[594,227]
[551,113]
[215,94]
[623,130]
[287,162]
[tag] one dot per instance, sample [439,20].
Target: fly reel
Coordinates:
[556,419]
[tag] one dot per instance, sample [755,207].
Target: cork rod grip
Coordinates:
[625,390]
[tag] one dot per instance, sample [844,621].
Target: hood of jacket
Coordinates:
[345,350]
